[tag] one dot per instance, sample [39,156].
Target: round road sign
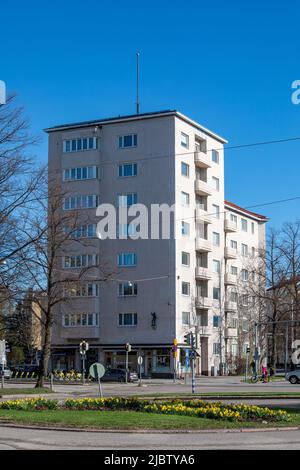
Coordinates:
[97,370]
[140,360]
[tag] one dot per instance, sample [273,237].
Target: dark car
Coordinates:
[119,375]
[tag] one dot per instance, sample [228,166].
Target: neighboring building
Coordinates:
[27,326]
[165,287]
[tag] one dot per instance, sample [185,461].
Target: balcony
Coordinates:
[229,253]
[76,333]
[202,188]
[230,332]
[201,160]
[202,273]
[203,330]
[203,302]
[230,306]
[229,226]
[203,245]
[202,215]
[230,280]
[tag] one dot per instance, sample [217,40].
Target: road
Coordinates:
[18,439]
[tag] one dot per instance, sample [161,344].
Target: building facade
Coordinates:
[166,285]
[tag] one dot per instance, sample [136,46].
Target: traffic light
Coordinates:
[193,341]
[83,347]
[128,347]
[248,350]
[187,338]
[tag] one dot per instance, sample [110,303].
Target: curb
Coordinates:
[4,424]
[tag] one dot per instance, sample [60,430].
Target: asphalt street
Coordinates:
[19,439]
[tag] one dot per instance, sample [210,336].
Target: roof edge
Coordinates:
[254,215]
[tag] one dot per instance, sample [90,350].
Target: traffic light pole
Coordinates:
[83,369]
[193,374]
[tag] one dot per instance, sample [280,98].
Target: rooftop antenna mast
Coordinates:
[137,83]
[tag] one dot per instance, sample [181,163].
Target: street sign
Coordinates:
[140,360]
[97,370]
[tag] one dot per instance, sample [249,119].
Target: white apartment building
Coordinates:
[161,288]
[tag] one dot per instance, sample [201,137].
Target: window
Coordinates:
[86,290]
[216,211]
[202,289]
[233,245]
[185,199]
[185,288]
[233,296]
[216,239]
[245,275]
[126,141]
[185,258]
[200,145]
[245,325]
[253,251]
[216,321]
[244,249]
[244,300]
[126,230]
[80,261]
[79,145]
[126,200]
[215,183]
[80,319]
[186,318]
[84,231]
[127,169]
[81,202]
[185,228]
[215,156]
[127,289]
[216,266]
[184,140]
[81,173]
[185,169]
[233,219]
[127,259]
[216,293]
[252,228]
[216,348]
[127,319]
[244,225]
[234,349]
[233,270]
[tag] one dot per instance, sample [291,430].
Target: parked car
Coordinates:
[293,376]
[119,375]
[6,371]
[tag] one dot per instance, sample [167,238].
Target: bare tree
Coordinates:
[54,239]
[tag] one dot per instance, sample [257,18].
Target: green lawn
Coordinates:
[23,391]
[253,394]
[128,420]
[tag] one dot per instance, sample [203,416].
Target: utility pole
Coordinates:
[137,83]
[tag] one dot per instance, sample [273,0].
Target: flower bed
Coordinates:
[194,408]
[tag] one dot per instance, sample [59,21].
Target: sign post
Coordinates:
[140,362]
[83,348]
[97,370]
[247,361]
[193,357]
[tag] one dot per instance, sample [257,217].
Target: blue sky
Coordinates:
[228,65]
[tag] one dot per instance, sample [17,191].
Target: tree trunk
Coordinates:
[46,352]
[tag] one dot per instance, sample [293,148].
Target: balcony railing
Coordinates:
[204,330]
[230,280]
[202,273]
[201,159]
[230,306]
[203,245]
[202,215]
[202,188]
[230,332]
[203,302]
[229,253]
[229,226]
